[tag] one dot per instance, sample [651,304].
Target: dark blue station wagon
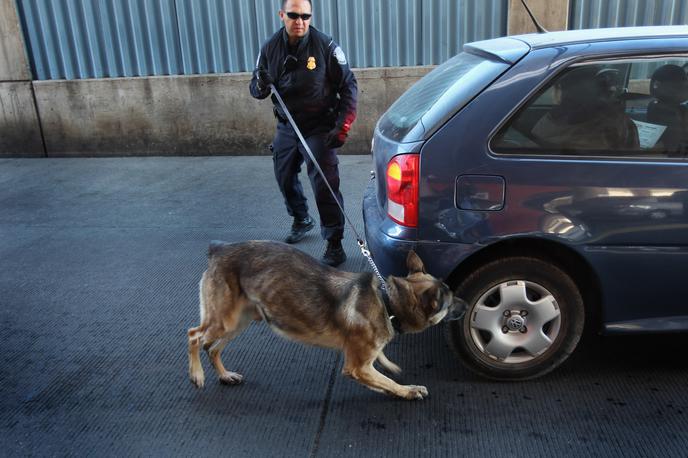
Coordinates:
[545,178]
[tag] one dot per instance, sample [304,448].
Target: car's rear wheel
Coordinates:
[525,317]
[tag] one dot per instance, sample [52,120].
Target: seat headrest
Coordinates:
[669,84]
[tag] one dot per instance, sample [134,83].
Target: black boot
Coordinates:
[299,229]
[334,255]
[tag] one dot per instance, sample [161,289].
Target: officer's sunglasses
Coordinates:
[295,16]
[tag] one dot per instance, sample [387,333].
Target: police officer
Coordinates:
[312,75]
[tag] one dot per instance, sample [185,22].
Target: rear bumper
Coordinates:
[389,243]
[389,253]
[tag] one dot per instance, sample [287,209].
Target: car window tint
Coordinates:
[635,108]
[449,87]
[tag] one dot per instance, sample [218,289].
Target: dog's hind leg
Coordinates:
[388,365]
[215,350]
[194,338]
[195,366]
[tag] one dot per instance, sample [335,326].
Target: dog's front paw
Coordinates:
[197,379]
[231,378]
[416,392]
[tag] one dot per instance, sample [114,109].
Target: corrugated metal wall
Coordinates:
[590,14]
[71,39]
[389,33]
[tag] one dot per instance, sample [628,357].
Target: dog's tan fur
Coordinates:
[306,301]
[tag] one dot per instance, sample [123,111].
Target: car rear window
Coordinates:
[438,95]
[630,107]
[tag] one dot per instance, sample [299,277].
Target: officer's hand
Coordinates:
[264,78]
[337,136]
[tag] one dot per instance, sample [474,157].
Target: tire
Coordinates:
[526,334]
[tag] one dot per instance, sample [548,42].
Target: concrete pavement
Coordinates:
[99,266]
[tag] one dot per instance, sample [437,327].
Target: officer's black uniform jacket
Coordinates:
[320,91]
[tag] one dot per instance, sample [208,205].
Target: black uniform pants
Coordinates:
[288,154]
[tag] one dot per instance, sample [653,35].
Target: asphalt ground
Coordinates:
[99,267]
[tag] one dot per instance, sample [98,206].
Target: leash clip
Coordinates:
[364,250]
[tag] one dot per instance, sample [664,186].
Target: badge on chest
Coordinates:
[311,63]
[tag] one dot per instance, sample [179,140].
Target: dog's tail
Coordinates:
[216,247]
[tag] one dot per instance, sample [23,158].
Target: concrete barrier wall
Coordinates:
[20,133]
[187,115]
[13,62]
[176,115]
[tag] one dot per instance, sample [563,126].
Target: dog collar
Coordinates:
[388,306]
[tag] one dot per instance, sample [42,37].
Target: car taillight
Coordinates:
[402,189]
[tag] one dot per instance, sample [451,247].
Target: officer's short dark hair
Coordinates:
[284,2]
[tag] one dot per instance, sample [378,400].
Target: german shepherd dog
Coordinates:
[306,301]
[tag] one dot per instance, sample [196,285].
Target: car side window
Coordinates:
[636,108]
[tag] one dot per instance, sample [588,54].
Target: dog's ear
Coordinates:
[432,297]
[438,298]
[414,263]
[401,286]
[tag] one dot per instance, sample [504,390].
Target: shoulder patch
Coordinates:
[340,56]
